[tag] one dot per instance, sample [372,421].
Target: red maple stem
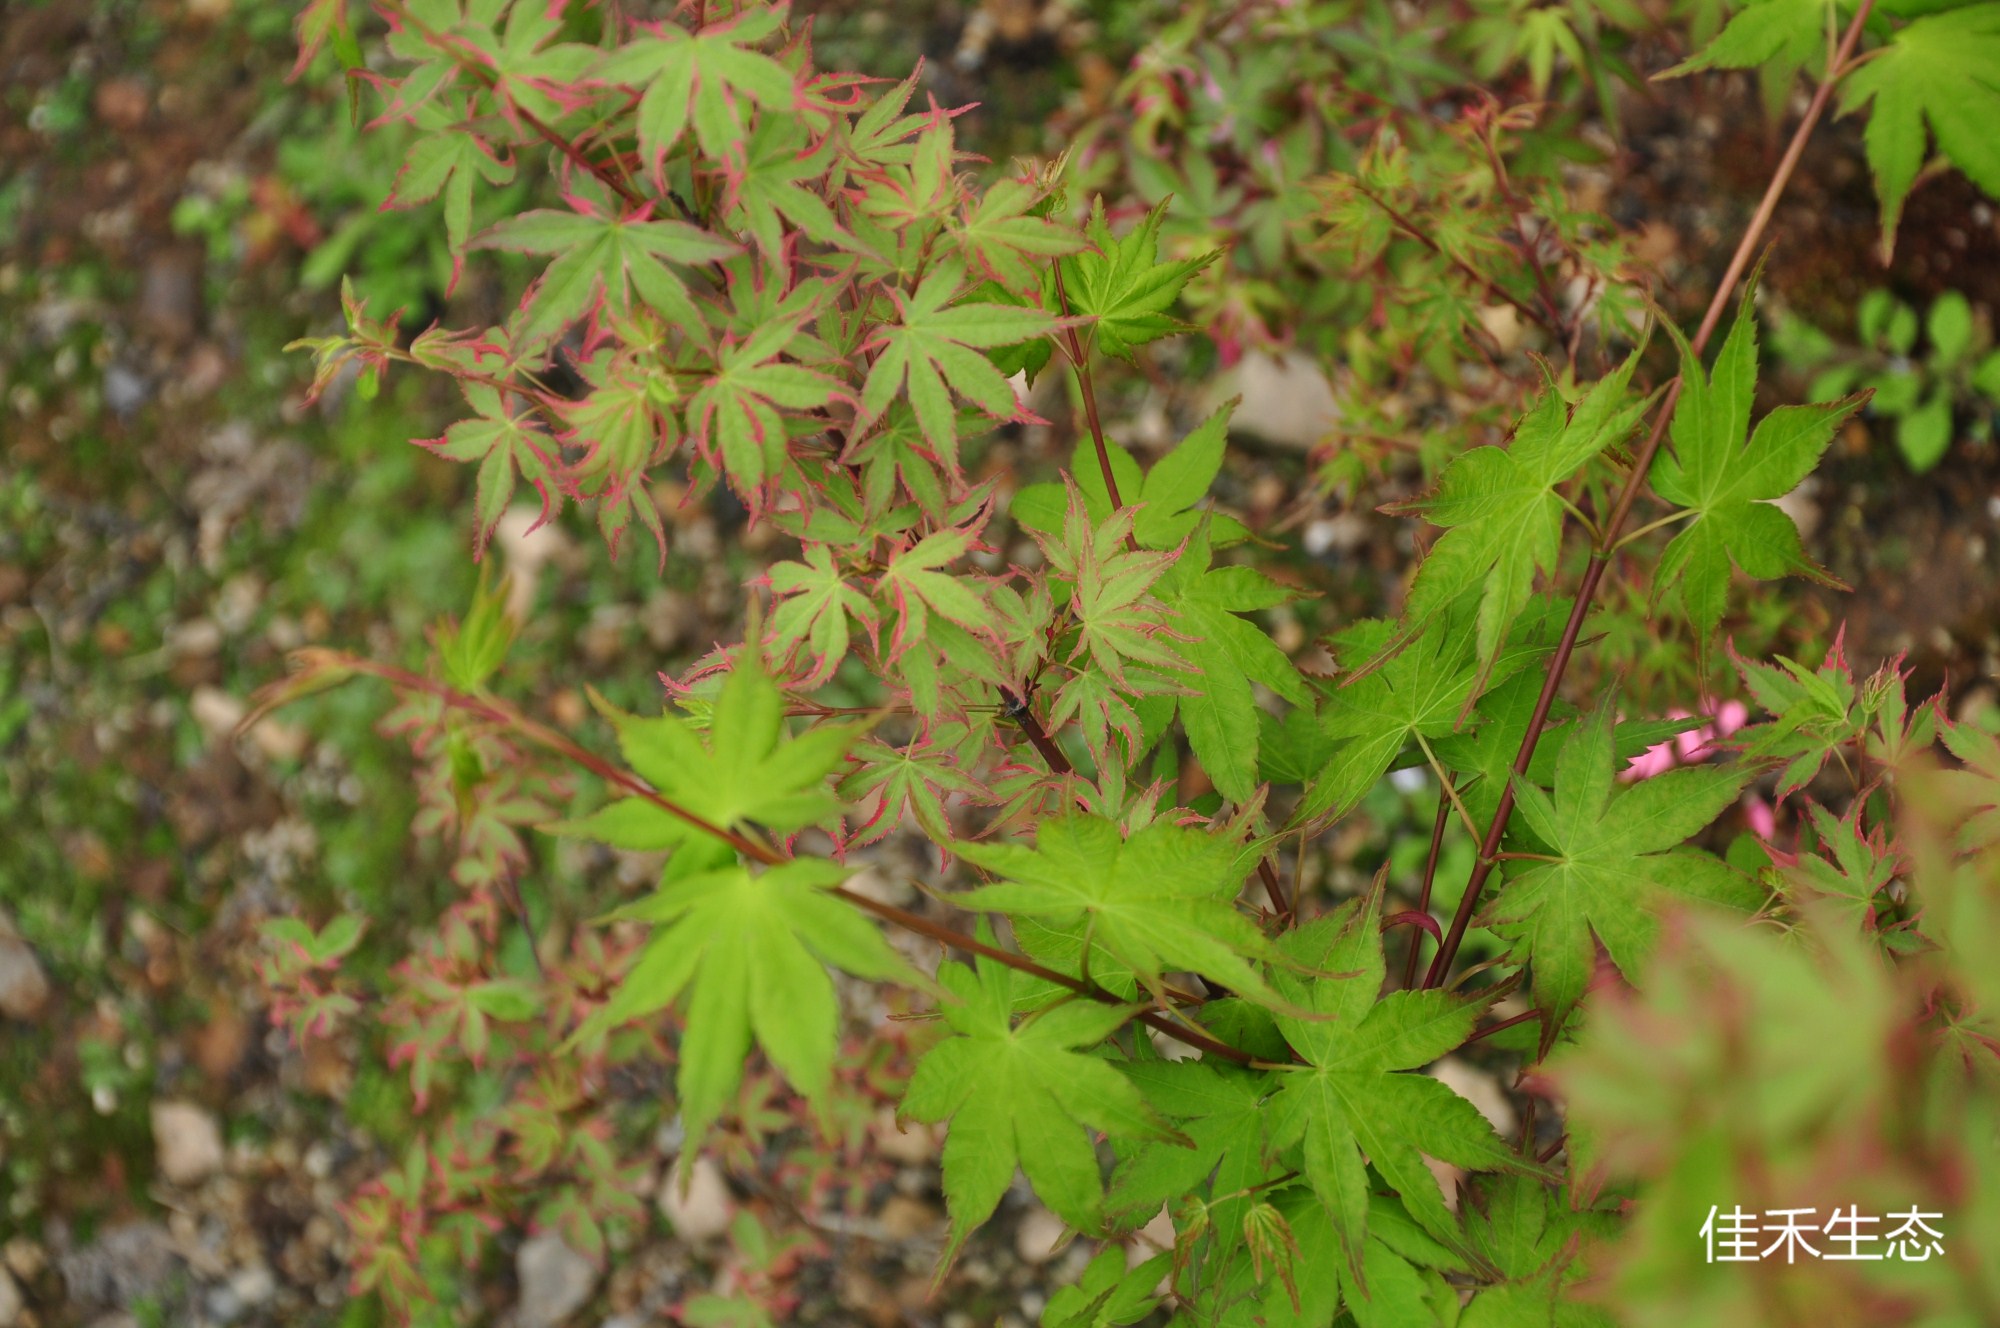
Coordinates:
[1080,360]
[1642,464]
[1430,880]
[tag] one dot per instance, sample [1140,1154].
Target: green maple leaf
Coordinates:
[736,409]
[506,446]
[1224,1112]
[616,260]
[1022,1094]
[1502,511]
[1225,653]
[1419,694]
[1354,1095]
[746,772]
[814,602]
[1613,858]
[1164,495]
[1107,1294]
[1529,1232]
[1813,714]
[1122,288]
[706,79]
[1942,71]
[1163,899]
[929,353]
[1778,36]
[749,951]
[1728,486]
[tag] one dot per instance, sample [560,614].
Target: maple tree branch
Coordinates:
[1485,283]
[1607,540]
[1510,1022]
[499,712]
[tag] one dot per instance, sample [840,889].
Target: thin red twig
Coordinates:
[1607,540]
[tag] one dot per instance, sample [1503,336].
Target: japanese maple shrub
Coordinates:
[756,275]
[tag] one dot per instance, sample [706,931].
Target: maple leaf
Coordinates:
[1225,653]
[444,160]
[1420,694]
[769,187]
[1530,1233]
[929,353]
[1107,1294]
[1728,486]
[614,260]
[1122,288]
[735,410]
[1813,713]
[1165,495]
[1021,1094]
[749,951]
[1612,858]
[815,602]
[1118,619]
[912,780]
[747,772]
[1978,783]
[1862,866]
[1224,1112]
[917,588]
[1163,899]
[1352,1097]
[704,79]
[1006,235]
[1502,512]
[1777,38]
[506,447]
[1940,71]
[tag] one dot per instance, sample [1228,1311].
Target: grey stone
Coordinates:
[555,1281]
[24,987]
[187,1142]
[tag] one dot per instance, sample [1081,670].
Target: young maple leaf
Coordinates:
[1122,288]
[1612,858]
[445,160]
[1813,713]
[735,410]
[705,79]
[1942,70]
[915,585]
[1022,1094]
[1006,235]
[773,183]
[1118,618]
[912,780]
[1225,653]
[813,607]
[506,446]
[1354,1097]
[1163,899]
[616,260]
[1729,487]
[750,954]
[929,352]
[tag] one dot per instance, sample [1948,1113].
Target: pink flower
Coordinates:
[1694,745]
